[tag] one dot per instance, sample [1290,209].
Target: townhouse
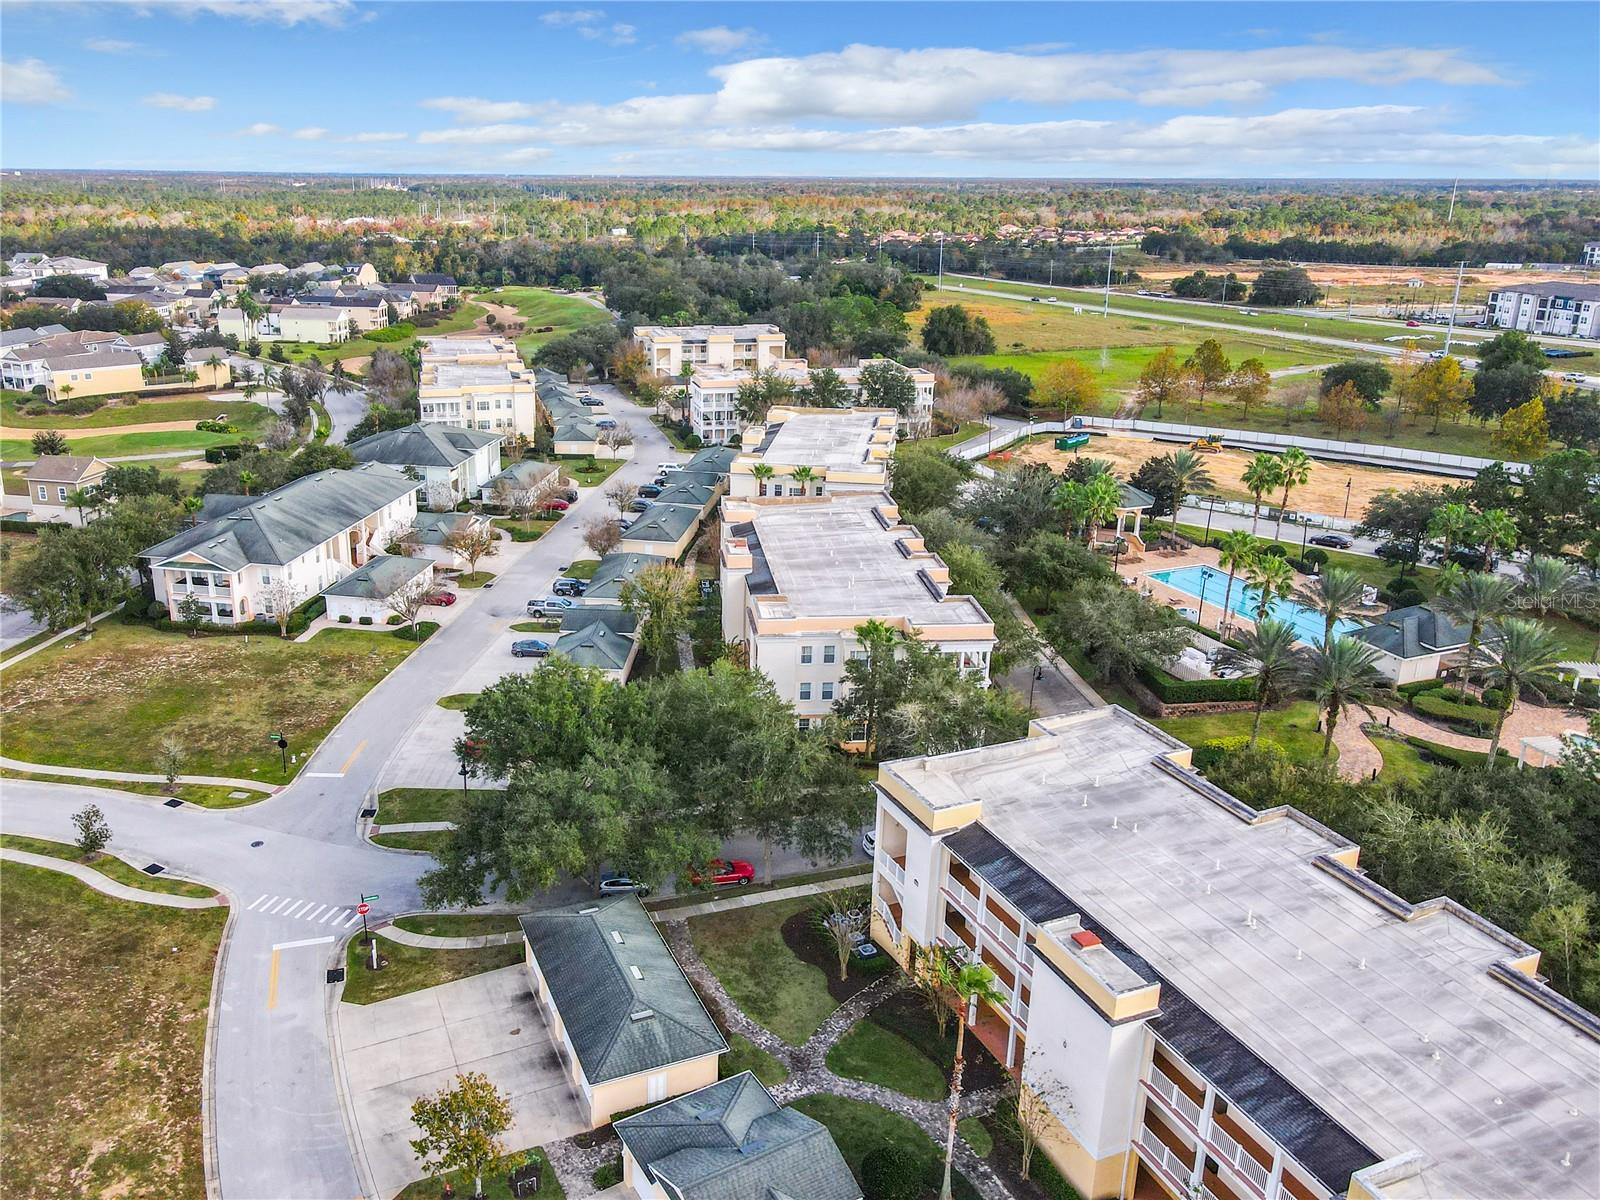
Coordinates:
[1569,309]
[815,452]
[437,456]
[714,392]
[91,362]
[1217,1002]
[41,266]
[799,575]
[525,481]
[477,383]
[668,349]
[54,478]
[600,636]
[308,534]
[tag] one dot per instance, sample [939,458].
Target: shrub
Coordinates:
[391,333]
[1456,696]
[1209,753]
[1421,685]
[1277,549]
[1474,717]
[39,389]
[1493,699]
[214,427]
[156,610]
[1315,557]
[344,618]
[893,1173]
[691,441]
[395,619]
[1171,690]
[364,621]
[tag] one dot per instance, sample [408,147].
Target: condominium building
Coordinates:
[800,575]
[724,347]
[1570,309]
[713,395]
[1591,254]
[477,383]
[1217,1002]
[815,452]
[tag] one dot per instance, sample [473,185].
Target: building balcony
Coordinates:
[894,868]
[1173,1099]
[890,913]
[1163,1161]
[1231,1152]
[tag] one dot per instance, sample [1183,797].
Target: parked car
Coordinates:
[605,423]
[736,873]
[1334,541]
[554,505]
[570,495]
[613,884]
[664,467]
[550,606]
[442,599]
[568,586]
[1413,324]
[529,648]
[641,505]
[650,491]
[869,842]
[591,401]
[1574,377]
[1033,299]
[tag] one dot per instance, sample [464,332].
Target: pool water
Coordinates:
[1211,585]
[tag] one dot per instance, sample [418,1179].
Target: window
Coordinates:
[830,654]
[805,691]
[827,691]
[61,494]
[44,492]
[805,654]
[805,724]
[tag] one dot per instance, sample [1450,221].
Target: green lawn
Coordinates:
[496,1188]
[127,444]
[879,1055]
[430,842]
[105,1018]
[109,865]
[1294,727]
[206,795]
[460,701]
[540,307]
[109,701]
[398,806]
[298,352]
[536,627]
[243,413]
[584,568]
[745,1055]
[859,1128]
[411,969]
[474,579]
[972,1132]
[745,949]
[459,924]
[530,529]
[1402,763]
[944,441]
[577,469]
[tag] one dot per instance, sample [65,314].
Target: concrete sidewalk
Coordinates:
[744,899]
[136,777]
[424,941]
[107,885]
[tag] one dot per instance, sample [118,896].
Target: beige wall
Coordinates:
[633,1091]
[96,381]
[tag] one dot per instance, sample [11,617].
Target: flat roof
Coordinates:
[448,374]
[838,439]
[690,333]
[835,558]
[1399,1021]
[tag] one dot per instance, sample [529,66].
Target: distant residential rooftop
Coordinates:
[1415,1027]
[1566,291]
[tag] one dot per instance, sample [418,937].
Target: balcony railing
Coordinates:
[1173,1098]
[1230,1151]
[967,901]
[1160,1156]
[891,927]
[895,872]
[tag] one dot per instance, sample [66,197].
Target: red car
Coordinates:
[737,873]
[555,506]
[1413,324]
[442,599]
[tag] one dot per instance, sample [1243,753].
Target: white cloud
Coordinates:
[479,135]
[480,111]
[111,46]
[376,136]
[572,16]
[332,13]
[719,40]
[259,129]
[526,155]
[618,35]
[191,104]
[311,133]
[591,23]
[30,81]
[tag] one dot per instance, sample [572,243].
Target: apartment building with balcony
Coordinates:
[1569,309]
[309,534]
[1217,1003]
[713,395]
[800,575]
[716,347]
[833,450]
[477,383]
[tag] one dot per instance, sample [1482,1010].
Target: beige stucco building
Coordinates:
[477,383]
[834,449]
[713,394]
[716,347]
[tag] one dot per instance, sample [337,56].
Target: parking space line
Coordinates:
[272,983]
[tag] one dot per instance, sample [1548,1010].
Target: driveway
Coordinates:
[395,1051]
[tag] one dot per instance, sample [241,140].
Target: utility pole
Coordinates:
[1052,272]
[941,260]
[816,245]
[1105,309]
[1451,215]
[1454,300]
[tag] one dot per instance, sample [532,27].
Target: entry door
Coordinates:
[656,1088]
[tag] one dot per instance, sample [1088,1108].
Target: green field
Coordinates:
[1294,727]
[462,318]
[184,408]
[85,437]
[540,307]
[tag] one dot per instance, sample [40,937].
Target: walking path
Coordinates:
[746,899]
[416,827]
[425,941]
[1358,757]
[134,776]
[104,883]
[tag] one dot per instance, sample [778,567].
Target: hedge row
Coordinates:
[1170,690]
[154,614]
[1475,716]
[1420,686]
[17,525]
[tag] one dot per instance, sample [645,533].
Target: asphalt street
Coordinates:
[294,867]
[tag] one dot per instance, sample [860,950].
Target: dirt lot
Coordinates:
[1324,493]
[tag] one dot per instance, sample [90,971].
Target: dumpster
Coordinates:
[1072,441]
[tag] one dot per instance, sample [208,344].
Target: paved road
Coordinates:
[294,865]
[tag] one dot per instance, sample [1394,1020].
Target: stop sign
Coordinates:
[363,909]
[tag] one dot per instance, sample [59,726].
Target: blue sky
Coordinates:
[1482,90]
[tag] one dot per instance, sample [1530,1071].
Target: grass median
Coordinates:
[408,969]
[109,865]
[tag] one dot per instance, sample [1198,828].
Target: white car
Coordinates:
[1574,377]
[869,843]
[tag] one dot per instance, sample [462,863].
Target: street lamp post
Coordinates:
[1347,484]
[1210,512]
[1205,578]
[464,773]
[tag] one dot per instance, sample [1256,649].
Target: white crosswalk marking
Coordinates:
[336,912]
[259,899]
[352,920]
[281,905]
[314,913]
[317,913]
[300,908]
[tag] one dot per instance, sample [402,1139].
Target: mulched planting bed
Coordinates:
[905,1013]
[810,944]
[1005,1160]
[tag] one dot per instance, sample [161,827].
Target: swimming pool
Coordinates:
[1210,585]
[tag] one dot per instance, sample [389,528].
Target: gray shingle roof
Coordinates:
[713,458]
[431,528]
[284,524]
[688,492]
[1133,497]
[423,445]
[597,635]
[524,474]
[1414,632]
[383,575]
[618,1024]
[60,468]
[731,1141]
[614,570]
[663,523]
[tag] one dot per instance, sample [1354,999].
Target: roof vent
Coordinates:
[584,912]
[637,974]
[616,936]
[644,1014]
[1086,939]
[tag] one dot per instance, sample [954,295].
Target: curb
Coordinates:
[208,1090]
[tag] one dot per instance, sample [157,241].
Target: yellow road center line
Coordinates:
[272,983]
[354,754]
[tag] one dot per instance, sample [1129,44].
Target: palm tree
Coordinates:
[1336,593]
[1294,468]
[1263,475]
[1474,600]
[1102,498]
[247,480]
[1549,582]
[83,501]
[1450,524]
[1271,651]
[1338,676]
[1236,550]
[1494,529]
[1274,577]
[192,506]
[1187,472]
[804,476]
[972,982]
[1529,652]
[762,473]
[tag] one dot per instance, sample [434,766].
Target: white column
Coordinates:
[1275,1180]
[1205,1129]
